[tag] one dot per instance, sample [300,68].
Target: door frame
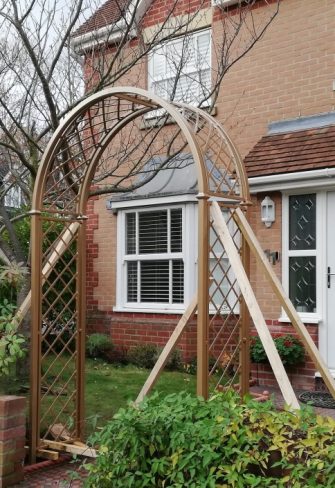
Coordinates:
[319,318]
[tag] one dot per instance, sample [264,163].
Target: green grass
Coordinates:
[109,387]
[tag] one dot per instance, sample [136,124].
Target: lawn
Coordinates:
[109,387]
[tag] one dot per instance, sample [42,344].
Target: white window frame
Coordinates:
[319,252]
[188,255]
[13,197]
[189,72]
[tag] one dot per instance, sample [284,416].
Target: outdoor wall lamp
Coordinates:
[268,211]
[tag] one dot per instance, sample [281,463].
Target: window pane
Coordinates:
[203,45]
[155,281]
[177,281]
[176,230]
[189,57]
[132,281]
[130,233]
[159,63]
[153,236]
[302,222]
[302,283]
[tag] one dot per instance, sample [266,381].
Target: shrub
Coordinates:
[146,355]
[11,343]
[289,348]
[143,355]
[182,441]
[175,361]
[99,346]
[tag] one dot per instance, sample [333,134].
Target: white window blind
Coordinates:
[180,70]
[153,256]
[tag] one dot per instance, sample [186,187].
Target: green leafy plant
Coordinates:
[11,343]
[191,366]
[289,348]
[99,346]
[183,441]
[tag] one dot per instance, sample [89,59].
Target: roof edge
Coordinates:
[302,123]
[112,33]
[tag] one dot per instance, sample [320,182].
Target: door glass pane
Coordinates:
[302,283]
[302,222]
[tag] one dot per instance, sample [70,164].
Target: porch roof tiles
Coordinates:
[293,151]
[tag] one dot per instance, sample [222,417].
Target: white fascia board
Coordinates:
[111,33]
[303,179]
[224,3]
[145,202]
[95,38]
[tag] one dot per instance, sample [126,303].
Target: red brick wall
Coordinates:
[302,377]
[288,73]
[12,439]
[128,329]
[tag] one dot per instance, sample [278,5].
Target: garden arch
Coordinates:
[111,139]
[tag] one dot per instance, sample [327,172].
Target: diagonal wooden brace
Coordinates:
[278,369]
[285,302]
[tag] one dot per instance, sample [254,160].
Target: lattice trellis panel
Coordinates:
[225,311]
[120,137]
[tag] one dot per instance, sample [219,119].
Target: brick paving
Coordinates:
[59,475]
[55,476]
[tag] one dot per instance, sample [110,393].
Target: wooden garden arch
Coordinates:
[78,154]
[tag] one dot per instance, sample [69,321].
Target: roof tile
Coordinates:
[108,14]
[292,151]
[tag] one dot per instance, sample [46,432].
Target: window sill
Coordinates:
[304,319]
[174,311]
[317,374]
[161,120]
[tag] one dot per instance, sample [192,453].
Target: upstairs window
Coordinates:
[180,70]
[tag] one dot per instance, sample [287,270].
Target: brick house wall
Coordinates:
[288,73]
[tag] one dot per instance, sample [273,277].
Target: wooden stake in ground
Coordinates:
[278,369]
[285,302]
[168,348]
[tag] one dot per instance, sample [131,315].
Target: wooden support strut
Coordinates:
[285,302]
[78,448]
[169,347]
[254,309]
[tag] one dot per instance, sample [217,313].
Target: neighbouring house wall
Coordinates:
[288,73]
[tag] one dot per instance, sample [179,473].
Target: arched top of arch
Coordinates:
[109,143]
